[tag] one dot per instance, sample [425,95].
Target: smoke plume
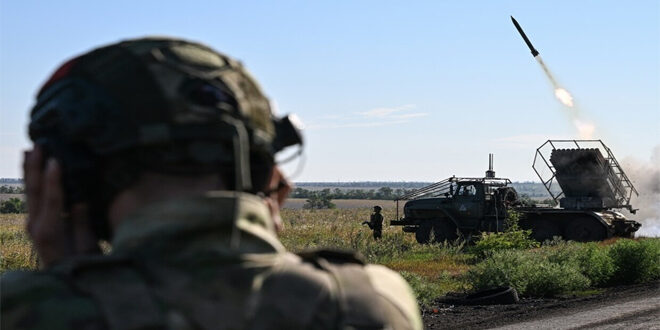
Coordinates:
[584,128]
[646,178]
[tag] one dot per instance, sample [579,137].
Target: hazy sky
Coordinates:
[389,91]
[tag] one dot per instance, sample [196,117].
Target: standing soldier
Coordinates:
[165,148]
[376,223]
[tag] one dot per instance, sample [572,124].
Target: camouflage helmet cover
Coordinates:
[154,103]
[153,86]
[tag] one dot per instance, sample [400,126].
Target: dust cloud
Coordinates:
[585,129]
[646,178]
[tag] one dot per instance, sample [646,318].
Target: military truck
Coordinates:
[582,177]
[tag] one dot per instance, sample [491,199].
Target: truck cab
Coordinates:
[457,206]
[468,203]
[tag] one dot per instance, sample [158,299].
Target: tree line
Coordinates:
[386,193]
[12,190]
[365,184]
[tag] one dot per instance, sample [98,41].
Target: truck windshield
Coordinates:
[467,190]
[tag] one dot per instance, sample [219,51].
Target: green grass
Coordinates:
[557,268]
[567,266]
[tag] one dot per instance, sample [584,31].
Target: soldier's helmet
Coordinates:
[377,208]
[157,104]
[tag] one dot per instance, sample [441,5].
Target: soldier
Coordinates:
[165,148]
[375,223]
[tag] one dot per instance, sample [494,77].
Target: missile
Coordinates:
[522,34]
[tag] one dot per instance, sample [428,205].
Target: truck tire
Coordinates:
[423,233]
[444,230]
[585,229]
[508,196]
[543,230]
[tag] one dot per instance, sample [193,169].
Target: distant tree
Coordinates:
[362,193]
[299,193]
[11,189]
[384,193]
[319,200]
[338,194]
[13,205]
[526,200]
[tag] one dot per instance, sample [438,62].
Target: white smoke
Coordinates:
[646,178]
[564,97]
[585,129]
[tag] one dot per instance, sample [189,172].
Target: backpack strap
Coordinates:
[359,304]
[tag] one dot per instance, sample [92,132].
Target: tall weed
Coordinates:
[16,252]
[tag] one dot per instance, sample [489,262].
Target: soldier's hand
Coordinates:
[56,235]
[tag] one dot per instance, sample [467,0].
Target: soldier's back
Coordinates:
[325,290]
[172,268]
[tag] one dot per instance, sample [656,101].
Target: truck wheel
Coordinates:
[544,230]
[444,230]
[423,233]
[585,230]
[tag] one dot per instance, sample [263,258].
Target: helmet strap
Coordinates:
[241,145]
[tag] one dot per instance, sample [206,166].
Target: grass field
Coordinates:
[15,247]
[434,269]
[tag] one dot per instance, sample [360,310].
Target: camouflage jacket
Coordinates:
[211,262]
[376,221]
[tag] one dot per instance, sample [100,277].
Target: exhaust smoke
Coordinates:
[564,96]
[585,129]
[646,178]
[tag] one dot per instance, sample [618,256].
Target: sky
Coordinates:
[388,90]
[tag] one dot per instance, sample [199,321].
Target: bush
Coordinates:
[592,259]
[549,279]
[635,261]
[595,263]
[512,238]
[13,205]
[488,243]
[531,273]
[319,201]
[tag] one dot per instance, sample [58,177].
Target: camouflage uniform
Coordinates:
[212,262]
[376,224]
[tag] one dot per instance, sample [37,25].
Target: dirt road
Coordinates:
[630,307]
